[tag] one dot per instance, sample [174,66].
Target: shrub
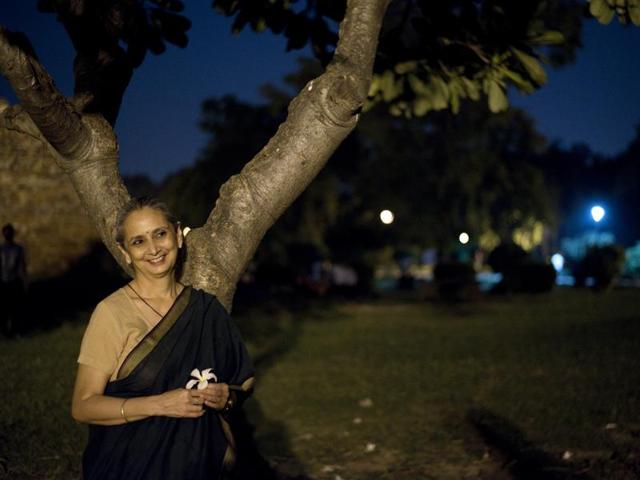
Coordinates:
[506,257]
[601,263]
[520,274]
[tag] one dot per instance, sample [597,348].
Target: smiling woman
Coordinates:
[141,348]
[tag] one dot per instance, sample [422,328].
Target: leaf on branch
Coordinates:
[471,89]
[601,10]
[550,37]
[389,87]
[633,10]
[518,80]
[421,106]
[532,66]
[498,101]
[405,67]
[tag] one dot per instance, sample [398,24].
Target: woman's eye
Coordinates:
[137,242]
[161,233]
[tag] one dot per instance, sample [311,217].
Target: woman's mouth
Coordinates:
[157,260]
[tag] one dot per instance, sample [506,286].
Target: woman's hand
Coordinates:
[181,403]
[216,395]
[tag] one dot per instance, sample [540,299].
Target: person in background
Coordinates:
[13,280]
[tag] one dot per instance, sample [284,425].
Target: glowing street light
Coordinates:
[597,213]
[557,260]
[464,238]
[386,217]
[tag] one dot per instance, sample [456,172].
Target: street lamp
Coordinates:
[464,238]
[386,217]
[597,213]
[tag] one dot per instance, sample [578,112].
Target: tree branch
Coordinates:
[54,116]
[86,144]
[320,118]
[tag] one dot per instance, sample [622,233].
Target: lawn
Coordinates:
[393,390]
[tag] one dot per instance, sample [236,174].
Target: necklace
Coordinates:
[145,302]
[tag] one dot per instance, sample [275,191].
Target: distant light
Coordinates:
[597,213]
[557,260]
[386,217]
[464,238]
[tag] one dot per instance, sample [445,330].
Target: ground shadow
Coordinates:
[524,459]
[251,463]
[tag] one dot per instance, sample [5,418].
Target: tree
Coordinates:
[431,56]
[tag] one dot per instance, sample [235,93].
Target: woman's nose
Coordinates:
[153,247]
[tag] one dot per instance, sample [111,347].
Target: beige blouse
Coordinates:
[115,328]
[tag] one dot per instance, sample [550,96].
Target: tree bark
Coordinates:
[319,119]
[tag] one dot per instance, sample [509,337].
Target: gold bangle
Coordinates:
[122,410]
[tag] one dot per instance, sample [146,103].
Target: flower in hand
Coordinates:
[202,379]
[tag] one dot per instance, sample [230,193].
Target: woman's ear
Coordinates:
[127,257]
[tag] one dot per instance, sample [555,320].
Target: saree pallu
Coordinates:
[196,333]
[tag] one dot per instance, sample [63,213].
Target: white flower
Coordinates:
[202,379]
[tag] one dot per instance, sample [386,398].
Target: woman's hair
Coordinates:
[137,204]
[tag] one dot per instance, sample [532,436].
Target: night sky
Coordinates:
[594,101]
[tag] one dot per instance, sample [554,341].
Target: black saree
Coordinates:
[196,333]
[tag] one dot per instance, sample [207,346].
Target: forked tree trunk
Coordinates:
[320,117]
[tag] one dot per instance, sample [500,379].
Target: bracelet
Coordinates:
[230,403]
[122,410]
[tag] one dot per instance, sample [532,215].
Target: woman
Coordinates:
[160,365]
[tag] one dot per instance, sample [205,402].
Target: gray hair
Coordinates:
[138,204]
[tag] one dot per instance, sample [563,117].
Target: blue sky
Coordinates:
[594,101]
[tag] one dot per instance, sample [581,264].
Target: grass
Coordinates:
[557,368]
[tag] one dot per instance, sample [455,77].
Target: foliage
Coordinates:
[449,173]
[519,272]
[434,55]
[626,10]
[603,264]
[141,25]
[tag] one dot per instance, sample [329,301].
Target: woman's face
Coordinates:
[150,243]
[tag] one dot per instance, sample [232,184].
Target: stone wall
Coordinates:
[37,198]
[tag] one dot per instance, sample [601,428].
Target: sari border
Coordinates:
[153,336]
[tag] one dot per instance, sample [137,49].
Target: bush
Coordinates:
[601,263]
[455,281]
[520,274]
[506,257]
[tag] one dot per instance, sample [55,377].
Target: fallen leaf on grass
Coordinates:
[366,403]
